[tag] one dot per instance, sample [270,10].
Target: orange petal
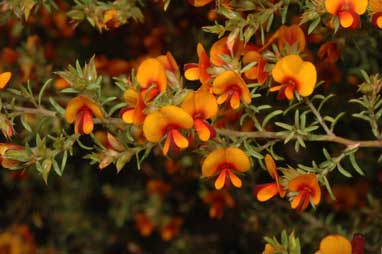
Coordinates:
[168,62]
[235,100]
[131,96]
[199,3]
[264,192]
[275,88]
[167,144]
[87,124]
[335,244]
[177,116]
[192,72]
[213,161]
[203,131]
[222,98]
[346,18]
[218,49]
[151,72]
[287,66]
[220,181]
[301,201]
[73,107]
[238,158]
[128,115]
[179,140]
[226,80]
[4,79]
[204,64]
[306,79]
[271,166]
[359,6]
[379,22]
[332,6]
[290,36]
[200,103]
[289,92]
[234,179]
[154,125]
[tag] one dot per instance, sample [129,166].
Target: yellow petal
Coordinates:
[264,192]
[220,181]
[213,161]
[335,244]
[153,126]
[177,116]
[234,179]
[128,116]
[203,131]
[359,6]
[238,158]
[346,19]
[192,72]
[332,6]
[4,79]
[288,66]
[151,72]
[179,139]
[271,166]
[306,79]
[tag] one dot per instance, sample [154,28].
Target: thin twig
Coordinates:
[318,116]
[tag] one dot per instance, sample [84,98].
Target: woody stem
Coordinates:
[318,116]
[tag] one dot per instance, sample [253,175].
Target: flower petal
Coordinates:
[346,18]
[332,6]
[213,161]
[271,166]
[264,192]
[154,125]
[4,78]
[192,72]
[151,72]
[306,79]
[234,179]
[179,140]
[238,159]
[220,180]
[74,105]
[202,129]
[335,244]
[359,6]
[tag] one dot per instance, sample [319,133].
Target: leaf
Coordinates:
[343,171]
[25,124]
[57,107]
[355,165]
[42,90]
[313,25]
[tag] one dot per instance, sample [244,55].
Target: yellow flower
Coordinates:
[201,105]
[294,75]
[225,162]
[81,110]
[231,87]
[168,121]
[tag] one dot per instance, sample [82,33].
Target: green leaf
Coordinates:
[343,171]
[25,124]
[42,90]
[57,107]
[313,25]
[355,165]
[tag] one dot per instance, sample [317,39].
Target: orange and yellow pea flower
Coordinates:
[168,121]
[307,189]
[4,79]
[264,192]
[294,74]
[151,77]
[229,86]
[225,162]
[218,200]
[335,244]
[201,105]
[134,113]
[81,110]
[291,36]
[256,72]
[199,71]
[376,9]
[347,11]
[168,62]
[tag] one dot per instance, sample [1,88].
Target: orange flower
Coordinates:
[168,121]
[307,189]
[329,52]
[4,79]
[81,110]
[256,72]
[201,105]
[291,36]
[269,249]
[335,244]
[168,62]
[223,162]
[376,9]
[133,114]
[224,47]
[151,76]
[231,87]
[218,201]
[199,71]
[60,84]
[199,3]
[144,225]
[347,11]
[294,74]
[267,191]
[171,229]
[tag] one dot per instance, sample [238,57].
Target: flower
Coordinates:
[199,71]
[151,76]
[168,121]
[231,87]
[335,244]
[256,72]
[133,114]
[291,36]
[81,110]
[225,47]
[294,74]
[267,191]
[376,9]
[171,229]
[201,105]
[143,225]
[225,162]
[269,249]
[347,11]
[168,62]
[4,79]
[218,201]
[306,189]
